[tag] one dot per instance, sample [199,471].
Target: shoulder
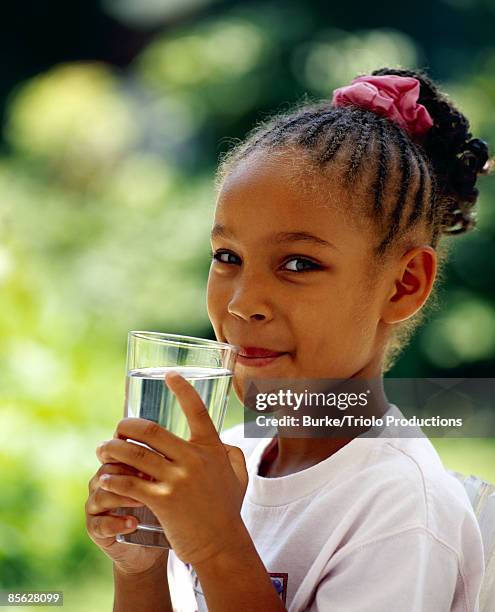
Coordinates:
[405,485]
[418,464]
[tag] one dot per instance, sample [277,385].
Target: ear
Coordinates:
[411,284]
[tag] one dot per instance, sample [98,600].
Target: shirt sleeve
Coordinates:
[411,571]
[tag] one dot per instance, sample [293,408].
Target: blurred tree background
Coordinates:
[114,114]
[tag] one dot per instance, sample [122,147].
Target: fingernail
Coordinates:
[129,523]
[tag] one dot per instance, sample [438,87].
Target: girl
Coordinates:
[326,245]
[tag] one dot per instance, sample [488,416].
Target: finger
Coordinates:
[101,501]
[111,468]
[107,526]
[199,421]
[129,486]
[154,435]
[135,455]
[105,458]
[97,451]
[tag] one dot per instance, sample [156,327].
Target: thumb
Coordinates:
[238,463]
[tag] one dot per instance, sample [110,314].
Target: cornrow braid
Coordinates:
[274,134]
[382,170]
[419,199]
[432,206]
[404,185]
[314,131]
[340,132]
[279,131]
[357,155]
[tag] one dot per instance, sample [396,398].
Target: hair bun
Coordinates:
[470,162]
[477,149]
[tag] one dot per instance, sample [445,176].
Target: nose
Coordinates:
[249,302]
[254,317]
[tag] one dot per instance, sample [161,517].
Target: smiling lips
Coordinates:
[254,351]
[256,356]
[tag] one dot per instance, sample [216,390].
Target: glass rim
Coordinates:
[183,340]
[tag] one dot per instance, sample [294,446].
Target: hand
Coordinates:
[103,526]
[196,487]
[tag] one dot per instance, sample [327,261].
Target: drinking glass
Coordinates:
[207,364]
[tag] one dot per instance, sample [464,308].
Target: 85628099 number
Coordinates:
[31,598]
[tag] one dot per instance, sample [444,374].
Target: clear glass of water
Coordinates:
[207,364]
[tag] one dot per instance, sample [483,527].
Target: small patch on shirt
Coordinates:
[279,581]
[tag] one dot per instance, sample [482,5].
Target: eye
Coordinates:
[217,255]
[306,262]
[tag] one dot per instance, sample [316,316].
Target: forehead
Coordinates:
[272,193]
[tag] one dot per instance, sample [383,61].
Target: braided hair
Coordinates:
[426,183]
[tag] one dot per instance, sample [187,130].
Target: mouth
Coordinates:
[258,357]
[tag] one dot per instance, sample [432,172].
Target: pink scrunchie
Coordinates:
[392,96]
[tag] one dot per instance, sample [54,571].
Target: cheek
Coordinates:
[217,301]
[318,315]
[335,326]
[213,299]
[358,331]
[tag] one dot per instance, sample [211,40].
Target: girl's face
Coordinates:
[292,275]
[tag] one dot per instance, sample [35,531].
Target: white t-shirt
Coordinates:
[379,526]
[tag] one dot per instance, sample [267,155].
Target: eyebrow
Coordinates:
[220,231]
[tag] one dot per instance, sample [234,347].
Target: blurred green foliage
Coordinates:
[106,202]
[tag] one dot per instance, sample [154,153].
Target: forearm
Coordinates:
[147,592]
[238,580]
